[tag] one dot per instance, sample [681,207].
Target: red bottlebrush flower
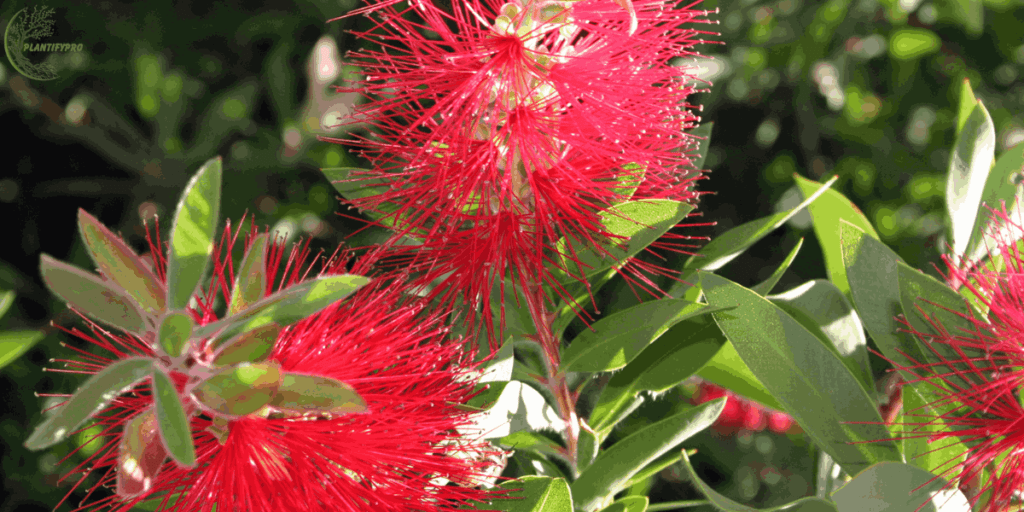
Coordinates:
[403,453]
[740,413]
[986,414]
[500,129]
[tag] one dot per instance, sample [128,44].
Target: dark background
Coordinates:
[799,87]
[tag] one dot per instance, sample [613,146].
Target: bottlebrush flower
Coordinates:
[500,129]
[740,413]
[397,455]
[986,414]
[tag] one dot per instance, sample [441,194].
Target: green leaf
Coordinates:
[174,427]
[614,341]
[655,467]
[499,368]
[532,441]
[241,389]
[924,412]
[765,287]
[925,300]
[898,487]
[90,398]
[101,300]
[732,243]
[316,393]
[6,301]
[284,307]
[628,504]
[587,447]
[120,264]
[913,43]
[15,343]
[805,375]
[357,189]
[487,395]
[722,503]
[532,494]
[175,331]
[874,286]
[823,310]
[827,212]
[967,103]
[630,177]
[636,225]
[249,347]
[969,167]
[195,221]
[140,456]
[251,279]
[1000,186]
[703,135]
[520,407]
[615,466]
[728,370]
[673,358]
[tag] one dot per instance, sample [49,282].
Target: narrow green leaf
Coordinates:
[15,343]
[195,221]
[655,467]
[722,503]
[969,167]
[898,487]
[807,377]
[765,287]
[913,43]
[174,427]
[6,301]
[284,307]
[1001,185]
[316,393]
[674,357]
[636,225]
[120,264]
[630,177]
[616,465]
[175,331]
[100,300]
[588,445]
[732,243]
[614,341]
[824,311]
[349,188]
[249,347]
[923,416]
[90,398]
[827,212]
[488,395]
[926,300]
[251,279]
[532,494]
[967,103]
[874,286]
[728,370]
[531,441]
[241,389]
[628,504]
[140,456]
[519,407]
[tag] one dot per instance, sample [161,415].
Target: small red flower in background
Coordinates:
[398,455]
[500,129]
[987,414]
[742,414]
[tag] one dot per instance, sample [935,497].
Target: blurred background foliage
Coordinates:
[866,89]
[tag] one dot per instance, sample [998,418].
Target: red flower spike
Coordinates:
[499,129]
[740,413]
[987,416]
[399,455]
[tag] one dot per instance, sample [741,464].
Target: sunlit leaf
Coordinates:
[90,398]
[252,346]
[140,456]
[969,167]
[315,393]
[898,487]
[119,263]
[174,333]
[251,277]
[195,221]
[241,389]
[15,343]
[100,300]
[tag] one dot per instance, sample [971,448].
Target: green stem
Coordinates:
[673,505]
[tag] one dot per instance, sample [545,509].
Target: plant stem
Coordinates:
[556,381]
